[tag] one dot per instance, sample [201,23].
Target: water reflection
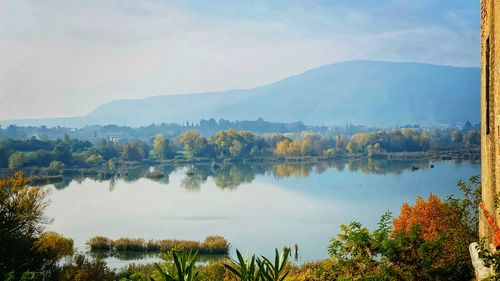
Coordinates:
[231,175]
[143,255]
[268,205]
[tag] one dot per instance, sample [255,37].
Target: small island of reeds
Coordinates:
[212,245]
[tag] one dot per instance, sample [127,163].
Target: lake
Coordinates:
[256,207]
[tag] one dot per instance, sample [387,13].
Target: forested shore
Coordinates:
[234,145]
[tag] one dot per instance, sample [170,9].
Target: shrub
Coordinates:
[54,245]
[100,243]
[428,241]
[215,245]
[129,244]
[84,269]
[440,223]
[213,271]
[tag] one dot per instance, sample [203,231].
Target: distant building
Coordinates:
[490,108]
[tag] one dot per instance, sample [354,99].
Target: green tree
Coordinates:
[132,152]
[456,136]
[62,153]
[16,160]
[194,144]
[161,148]
[370,150]
[22,220]
[472,138]
[352,147]
[56,165]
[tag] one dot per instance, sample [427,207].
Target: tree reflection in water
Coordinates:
[231,175]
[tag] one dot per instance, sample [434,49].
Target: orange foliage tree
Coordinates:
[433,217]
[437,221]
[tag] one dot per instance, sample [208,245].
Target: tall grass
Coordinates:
[211,245]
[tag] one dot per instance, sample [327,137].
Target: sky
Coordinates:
[61,58]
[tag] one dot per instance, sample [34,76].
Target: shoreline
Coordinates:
[45,175]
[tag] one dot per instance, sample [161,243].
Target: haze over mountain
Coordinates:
[363,92]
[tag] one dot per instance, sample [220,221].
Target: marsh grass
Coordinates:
[212,245]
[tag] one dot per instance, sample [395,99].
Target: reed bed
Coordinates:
[212,245]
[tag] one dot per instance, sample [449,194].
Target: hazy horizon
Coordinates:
[62,59]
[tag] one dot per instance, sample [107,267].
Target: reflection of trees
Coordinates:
[133,174]
[231,175]
[289,170]
[112,184]
[164,171]
[383,166]
[194,177]
[64,183]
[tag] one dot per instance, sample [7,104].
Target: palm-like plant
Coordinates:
[244,269]
[274,271]
[184,265]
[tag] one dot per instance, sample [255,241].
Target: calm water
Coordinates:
[257,207]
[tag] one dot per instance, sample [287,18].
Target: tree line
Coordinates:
[227,144]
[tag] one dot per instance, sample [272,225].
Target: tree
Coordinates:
[142,147]
[56,165]
[62,152]
[194,144]
[352,147]
[472,138]
[22,220]
[456,136]
[66,139]
[16,160]
[370,150]
[161,147]
[467,126]
[441,223]
[132,153]
[236,148]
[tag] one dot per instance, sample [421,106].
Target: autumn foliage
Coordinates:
[493,225]
[432,216]
[437,221]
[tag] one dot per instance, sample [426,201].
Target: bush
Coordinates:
[129,244]
[54,245]
[84,269]
[100,243]
[215,245]
[428,241]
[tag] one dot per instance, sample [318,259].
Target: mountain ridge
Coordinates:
[365,92]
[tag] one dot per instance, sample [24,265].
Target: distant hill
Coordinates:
[363,92]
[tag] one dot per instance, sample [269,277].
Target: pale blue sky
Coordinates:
[63,58]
